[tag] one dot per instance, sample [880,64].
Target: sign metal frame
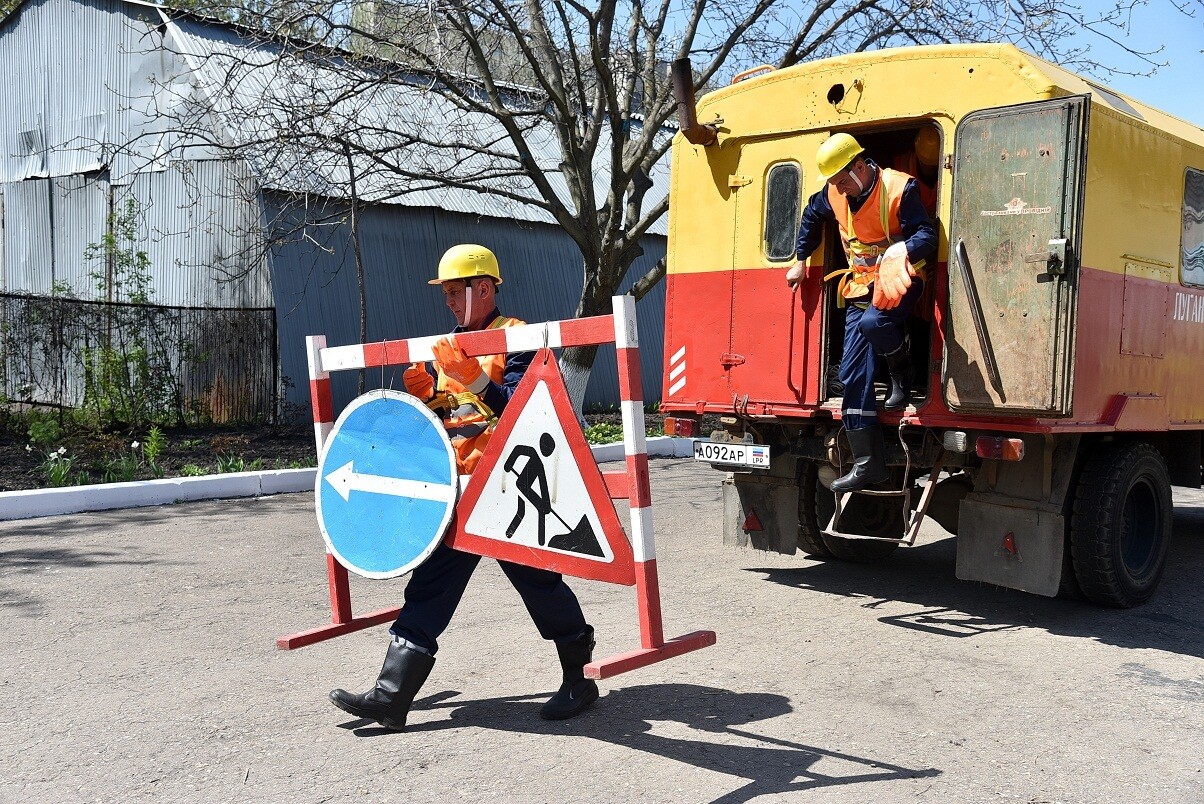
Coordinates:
[631,484]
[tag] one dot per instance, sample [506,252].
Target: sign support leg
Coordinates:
[643,545]
[341,618]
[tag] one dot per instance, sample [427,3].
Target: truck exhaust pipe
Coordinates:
[682,74]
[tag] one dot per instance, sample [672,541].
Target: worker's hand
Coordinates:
[455,364]
[796,274]
[894,277]
[419,381]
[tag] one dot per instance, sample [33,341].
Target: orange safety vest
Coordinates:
[469,421]
[868,232]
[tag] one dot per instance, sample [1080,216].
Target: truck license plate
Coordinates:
[755,455]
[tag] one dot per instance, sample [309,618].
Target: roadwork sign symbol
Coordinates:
[537,497]
[386,486]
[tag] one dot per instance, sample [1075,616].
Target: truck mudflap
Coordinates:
[1012,543]
[761,511]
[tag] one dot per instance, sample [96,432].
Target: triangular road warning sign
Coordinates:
[537,497]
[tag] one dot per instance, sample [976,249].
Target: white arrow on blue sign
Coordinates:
[386,486]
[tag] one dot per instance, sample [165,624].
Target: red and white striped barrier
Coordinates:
[619,329]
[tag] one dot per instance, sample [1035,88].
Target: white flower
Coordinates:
[61,451]
[29,447]
[134,445]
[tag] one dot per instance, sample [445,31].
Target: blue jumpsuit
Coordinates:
[869,332]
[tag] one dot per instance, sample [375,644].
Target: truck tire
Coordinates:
[1121,527]
[868,516]
[810,527]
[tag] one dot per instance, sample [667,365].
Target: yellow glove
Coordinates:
[419,381]
[455,364]
[894,277]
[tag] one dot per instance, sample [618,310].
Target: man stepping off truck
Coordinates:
[887,238]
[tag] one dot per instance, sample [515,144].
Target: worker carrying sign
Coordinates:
[468,393]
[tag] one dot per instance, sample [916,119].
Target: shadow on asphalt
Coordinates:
[625,717]
[923,578]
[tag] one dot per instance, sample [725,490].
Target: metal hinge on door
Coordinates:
[728,360]
[736,181]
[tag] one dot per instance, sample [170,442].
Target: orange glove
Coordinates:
[894,277]
[455,364]
[419,381]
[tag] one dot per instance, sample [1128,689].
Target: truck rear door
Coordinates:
[1013,249]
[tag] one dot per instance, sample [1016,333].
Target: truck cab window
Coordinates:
[782,201]
[1192,271]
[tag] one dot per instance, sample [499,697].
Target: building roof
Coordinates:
[238,93]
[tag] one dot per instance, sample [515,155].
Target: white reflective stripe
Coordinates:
[634,440]
[321,433]
[643,543]
[423,349]
[862,413]
[479,384]
[678,355]
[314,344]
[626,334]
[677,386]
[337,358]
[529,337]
[680,368]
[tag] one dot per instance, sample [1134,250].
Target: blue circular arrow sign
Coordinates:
[386,486]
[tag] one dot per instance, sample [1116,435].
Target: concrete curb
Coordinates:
[32,503]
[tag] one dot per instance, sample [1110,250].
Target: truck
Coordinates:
[1057,353]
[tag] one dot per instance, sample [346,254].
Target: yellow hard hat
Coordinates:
[466,262]
[836,153]
[928,146]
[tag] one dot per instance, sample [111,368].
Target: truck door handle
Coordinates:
[728,360]
[1054,259]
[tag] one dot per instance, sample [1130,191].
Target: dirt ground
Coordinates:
[139,665]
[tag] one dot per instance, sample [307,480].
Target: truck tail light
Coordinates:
[686,428]
[999,448]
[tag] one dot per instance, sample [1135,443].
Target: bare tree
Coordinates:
[557,105]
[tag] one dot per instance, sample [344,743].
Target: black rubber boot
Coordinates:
[898,363]
[403,674]
[576,691]
[869,462]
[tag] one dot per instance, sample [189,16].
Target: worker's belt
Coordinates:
[855,280]
[461,409]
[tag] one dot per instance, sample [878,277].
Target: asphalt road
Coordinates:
[138,664]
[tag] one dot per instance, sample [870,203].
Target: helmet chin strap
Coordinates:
[857,181]
[468,291]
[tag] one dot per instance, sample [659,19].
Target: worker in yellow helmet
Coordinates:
[469,393]
[887,238]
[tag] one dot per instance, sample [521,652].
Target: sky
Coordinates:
[1177,88]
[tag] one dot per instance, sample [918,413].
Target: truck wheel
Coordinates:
[1121,527]
[810,526]
[867,516]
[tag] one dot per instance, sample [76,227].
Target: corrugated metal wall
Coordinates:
[77,82]
[316,291]
[198,222]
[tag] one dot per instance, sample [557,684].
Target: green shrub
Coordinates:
[603,433]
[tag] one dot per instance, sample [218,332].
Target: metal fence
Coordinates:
[136,363]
